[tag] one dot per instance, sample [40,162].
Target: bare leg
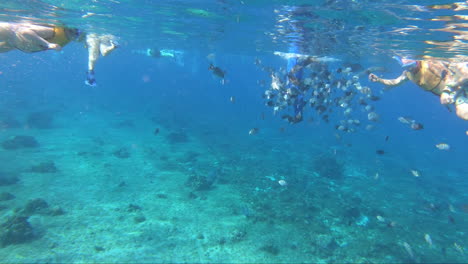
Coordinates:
[107,45]
[93,43]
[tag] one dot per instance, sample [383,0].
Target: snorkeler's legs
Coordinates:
[107,44]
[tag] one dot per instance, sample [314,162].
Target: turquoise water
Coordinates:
[156,163]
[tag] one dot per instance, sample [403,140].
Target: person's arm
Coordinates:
[24,36]
[390,82]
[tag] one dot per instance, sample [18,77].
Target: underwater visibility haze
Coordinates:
[235,131]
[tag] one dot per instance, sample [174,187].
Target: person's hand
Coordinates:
[446,98]
[54,46]
[373,78]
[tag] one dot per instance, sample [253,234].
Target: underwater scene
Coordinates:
[233,131]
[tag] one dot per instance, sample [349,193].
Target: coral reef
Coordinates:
[190,156]
[5,196]
[133,208]
[177,137]
[40,120]
[56,210]
[17,142]
[36,206]
[16,230]
[139,219]
[198,182]
[329,167]
[122,153]
[44,167]
[325,243]
[9,122]
[8,179]
[124,124]
[270,248]
[99,248]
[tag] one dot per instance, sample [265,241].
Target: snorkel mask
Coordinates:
[74,34]
[405,63]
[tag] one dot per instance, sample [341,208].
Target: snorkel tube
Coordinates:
[405,63]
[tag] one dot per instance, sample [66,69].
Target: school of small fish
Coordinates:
[327,92]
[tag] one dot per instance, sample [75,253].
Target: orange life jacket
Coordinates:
[430,75]
[60,37]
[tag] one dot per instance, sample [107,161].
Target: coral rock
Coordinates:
[17,142]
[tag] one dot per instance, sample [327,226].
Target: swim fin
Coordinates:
[90,80]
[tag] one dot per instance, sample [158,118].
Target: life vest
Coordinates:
[60,37]
[429,76]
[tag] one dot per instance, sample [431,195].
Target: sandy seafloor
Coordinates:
[245,216]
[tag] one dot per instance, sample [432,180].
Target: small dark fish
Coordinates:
[270,103]
[325,118]
[417,126]
[217,71]
[355,67]
[320,109]
[451,219]
[386,138]
[156,131]
[380,151]
[339,70]
[374,97]
[362,101]
[281,129]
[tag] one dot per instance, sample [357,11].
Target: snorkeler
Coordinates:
[295,68]
[447,80]
[176,55]
[98,45]
[29,37]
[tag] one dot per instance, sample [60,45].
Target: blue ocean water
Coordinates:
[163,161]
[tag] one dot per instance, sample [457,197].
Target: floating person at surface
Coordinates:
[29,37]
[317,81]
[176,55]
[293,92]
[448,80]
